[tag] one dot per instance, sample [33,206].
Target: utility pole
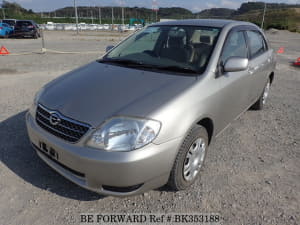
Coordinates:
[112,18]
[3,12]
[92,16]
[123,16]
[122,4]
[155,8]
[76,16]
[263,19]
[100,15]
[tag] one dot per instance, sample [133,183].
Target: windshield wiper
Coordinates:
[178,69]
[122,61]
[133,63]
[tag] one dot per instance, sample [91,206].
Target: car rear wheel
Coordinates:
[260,103]
[189,159]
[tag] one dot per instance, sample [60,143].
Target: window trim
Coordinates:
[240,28]
[266,47]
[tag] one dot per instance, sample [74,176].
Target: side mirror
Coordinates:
[110,47]
[235,64]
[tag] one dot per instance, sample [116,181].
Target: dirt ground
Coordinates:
[252,171]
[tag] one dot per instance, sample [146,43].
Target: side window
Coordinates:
[235,45]
[257,43]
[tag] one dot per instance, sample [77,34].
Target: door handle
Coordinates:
[252,70]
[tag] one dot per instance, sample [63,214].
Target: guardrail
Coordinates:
[89,27]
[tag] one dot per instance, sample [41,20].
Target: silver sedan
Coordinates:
[144,114]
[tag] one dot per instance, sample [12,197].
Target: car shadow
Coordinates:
[18,155]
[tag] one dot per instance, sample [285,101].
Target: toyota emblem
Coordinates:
[54,119]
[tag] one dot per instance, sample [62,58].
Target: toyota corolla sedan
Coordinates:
[144,114]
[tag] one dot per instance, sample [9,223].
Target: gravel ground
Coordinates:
[252,172]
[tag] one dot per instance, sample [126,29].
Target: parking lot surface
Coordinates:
[252,171]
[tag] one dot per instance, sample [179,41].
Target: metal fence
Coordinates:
[89,27]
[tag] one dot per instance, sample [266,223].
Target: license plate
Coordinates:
[48,150]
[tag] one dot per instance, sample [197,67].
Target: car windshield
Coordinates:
[184,49]
[9,22]
[24,23]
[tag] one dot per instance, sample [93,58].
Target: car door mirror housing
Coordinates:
[110,47]
[235,64]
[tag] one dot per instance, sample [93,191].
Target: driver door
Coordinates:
[234,87]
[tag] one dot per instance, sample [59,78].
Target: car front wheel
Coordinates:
[189,160]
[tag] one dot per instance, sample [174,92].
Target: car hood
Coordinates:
[97,91]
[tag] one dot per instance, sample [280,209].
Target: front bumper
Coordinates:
[108,173]
[24,33]
[2,35]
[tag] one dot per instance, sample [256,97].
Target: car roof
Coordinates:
[10,19]
[24,20]
[203,22]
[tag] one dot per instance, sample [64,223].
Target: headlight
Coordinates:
[37,96]
[124,134]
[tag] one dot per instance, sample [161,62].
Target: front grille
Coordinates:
[67,129]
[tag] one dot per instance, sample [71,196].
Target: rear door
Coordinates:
[259,64]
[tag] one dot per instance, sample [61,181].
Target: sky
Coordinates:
[193,5]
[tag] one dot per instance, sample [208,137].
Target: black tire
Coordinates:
[176,180]
[260,103]
[35,36]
